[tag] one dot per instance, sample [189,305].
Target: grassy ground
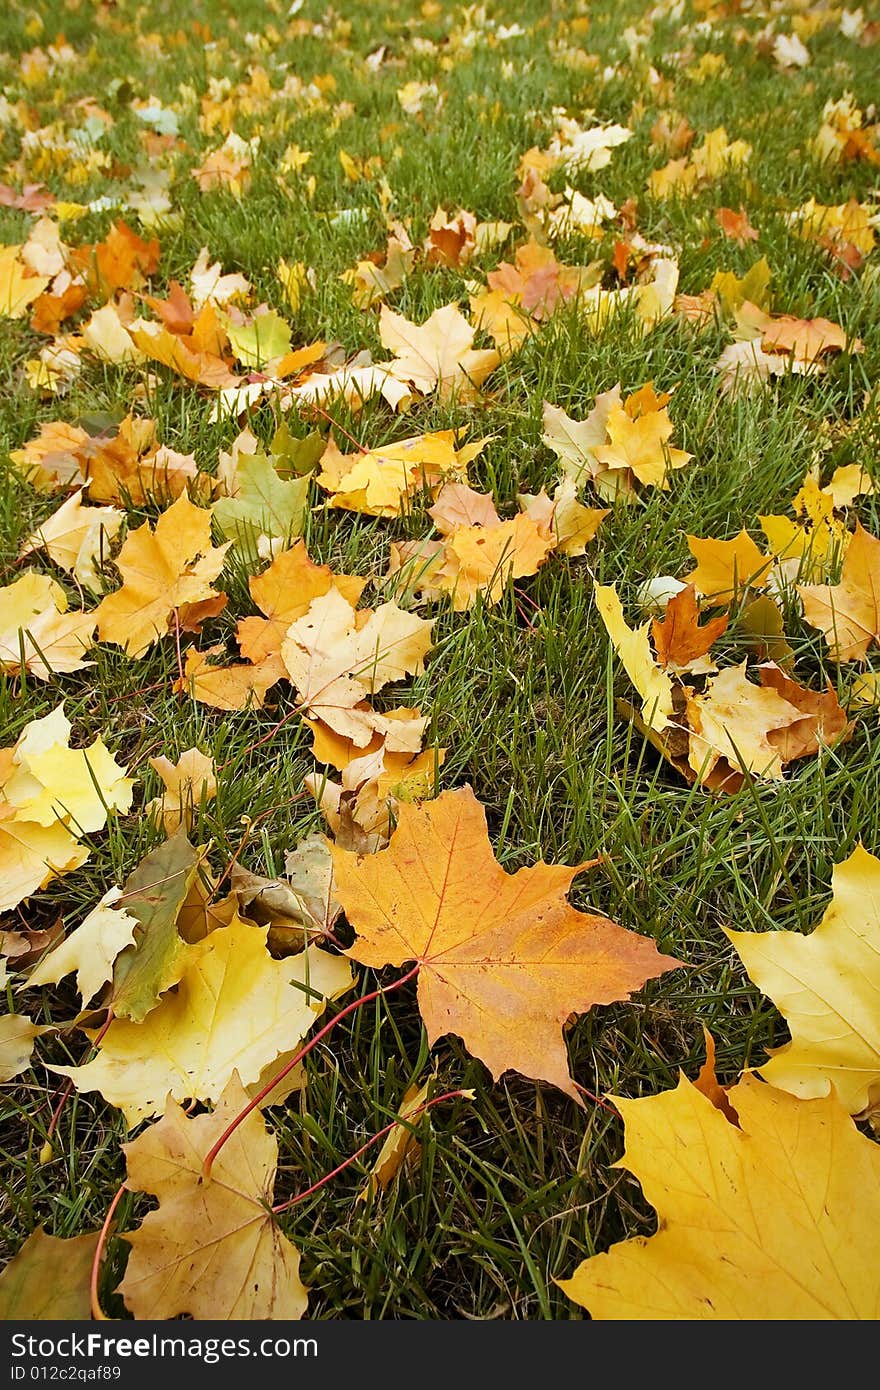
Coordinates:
[514,1189]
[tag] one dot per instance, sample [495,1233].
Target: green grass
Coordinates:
[512,1190]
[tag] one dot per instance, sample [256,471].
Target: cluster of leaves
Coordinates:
[198,984]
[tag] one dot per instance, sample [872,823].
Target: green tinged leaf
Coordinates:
[266,505]
[296,456]
[154,895]
[48,1279]
[261,341]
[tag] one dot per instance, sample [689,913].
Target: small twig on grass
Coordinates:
[298,1057]
[336,425]
[374,1139]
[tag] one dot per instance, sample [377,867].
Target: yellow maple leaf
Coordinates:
[809,547]
[641,445]
[106,335]
[241,685]
[212,1248]
[379,481]
[847,224]
[283,593]
[732,719]
[563,517]
[32,855]
[371,281]
[17,1036]
[574,441]
[633,647]
[188,782]
[756,1222]
[49,781]
[725,568]
[162,571]
[848,613]
[825,985]
[52,459]
[399,1142]
[77,538]
[337,658]
[482,559]
[90,949]
[37,631]
[18,287]
[438,353]
[235,1009]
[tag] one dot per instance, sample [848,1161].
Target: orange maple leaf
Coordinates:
[504,959]
[678,638]
[736,225]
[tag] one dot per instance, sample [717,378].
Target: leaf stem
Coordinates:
[68,1088]
[374,1139]
[298,1057]
[97,1311]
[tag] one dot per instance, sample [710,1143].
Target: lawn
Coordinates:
[404,108]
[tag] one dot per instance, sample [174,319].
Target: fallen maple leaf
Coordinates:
[438,353]
[725,568]
[733,720]
[809,547]
[163,571]
[47,780]
[228,167]
[823,720]
[48,1280]
[18,286]
[283,593]
[77,538]
[31,855]
[458,505]
[89,950]
[210,286]
[571,525]
[681,644]
[380,481]
[574,441]
[537,282]
[18,1034]
[825,985]
[756,1222]
[640,445]
[261,341]
[212,1249]
[197,356]
[52,459]
[504,959]
[153,895]
[806,340]
[336,658]
[400,1143]
[34,197]
[122,261]
[235,1009]
[634,650]
[264,505]
[848,613]
[188,783]
[242,685]
[50,794]
[372,279]
[37,633]
[736,225]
